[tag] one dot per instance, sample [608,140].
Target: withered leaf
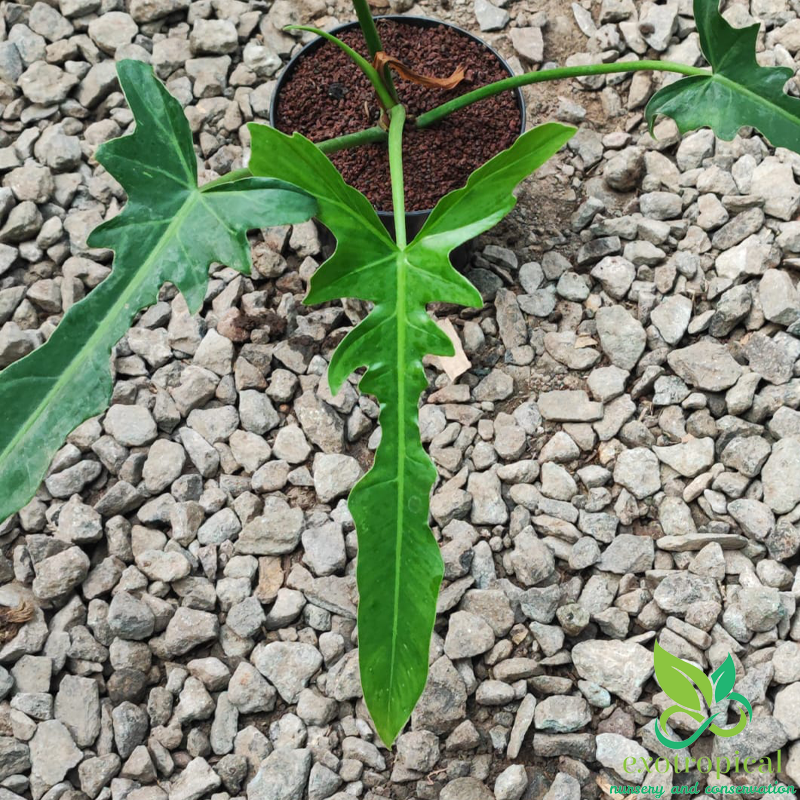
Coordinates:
[383,61]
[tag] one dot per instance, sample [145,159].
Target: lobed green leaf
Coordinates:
[170,230]
[399,565]
[738,93]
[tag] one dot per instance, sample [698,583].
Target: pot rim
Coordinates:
[422,22]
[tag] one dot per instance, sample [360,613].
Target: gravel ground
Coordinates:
[621,462]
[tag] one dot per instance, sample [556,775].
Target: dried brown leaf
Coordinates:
[383,61]
[12,618]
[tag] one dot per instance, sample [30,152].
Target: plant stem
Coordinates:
[377,134]
[329,146]
[398,120]
[438,113]
[368,27]
[366,136]
[373,40]
[384,95]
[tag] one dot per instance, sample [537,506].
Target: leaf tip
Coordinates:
[130,70]
[386,737]
[565,131]
[650,116]
[387,725]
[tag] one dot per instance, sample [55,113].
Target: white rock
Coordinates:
[671,317]
[621,667]
[779,297]
[131,426]
[773,181]
[781,476]
[621,336]
[196,780]
[53,752]
[612,751]
[164,464]
[288,666]
[528,43]
[283,775]
[334,475]
[490,17]
[689,458]
[638,471]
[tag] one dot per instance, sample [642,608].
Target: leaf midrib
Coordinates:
[140,277]
[401,322]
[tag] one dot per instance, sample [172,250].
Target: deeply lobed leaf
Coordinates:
[738,93]
[399,566]
[170,230]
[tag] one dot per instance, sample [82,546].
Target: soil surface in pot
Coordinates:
[327,96]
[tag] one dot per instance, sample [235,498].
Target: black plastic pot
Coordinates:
[414,219]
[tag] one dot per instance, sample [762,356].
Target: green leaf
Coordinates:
[738,93]
[169,231]
[399,566]
[675,676]
[723,679]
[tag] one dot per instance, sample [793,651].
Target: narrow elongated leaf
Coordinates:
[675,677]
[399,566]
[738,93]
[169,231]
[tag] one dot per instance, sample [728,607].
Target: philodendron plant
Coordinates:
[171,230]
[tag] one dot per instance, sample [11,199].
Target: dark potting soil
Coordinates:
[327,96]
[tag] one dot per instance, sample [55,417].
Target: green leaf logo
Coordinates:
[681,681]
[724,677]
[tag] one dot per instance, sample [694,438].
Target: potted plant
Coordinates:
[323,94]
[171,230]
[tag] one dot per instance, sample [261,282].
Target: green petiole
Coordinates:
[398,121]
[377,134]
[559,73]
[373,40]
[368,27]
[387,101]
[374,134]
